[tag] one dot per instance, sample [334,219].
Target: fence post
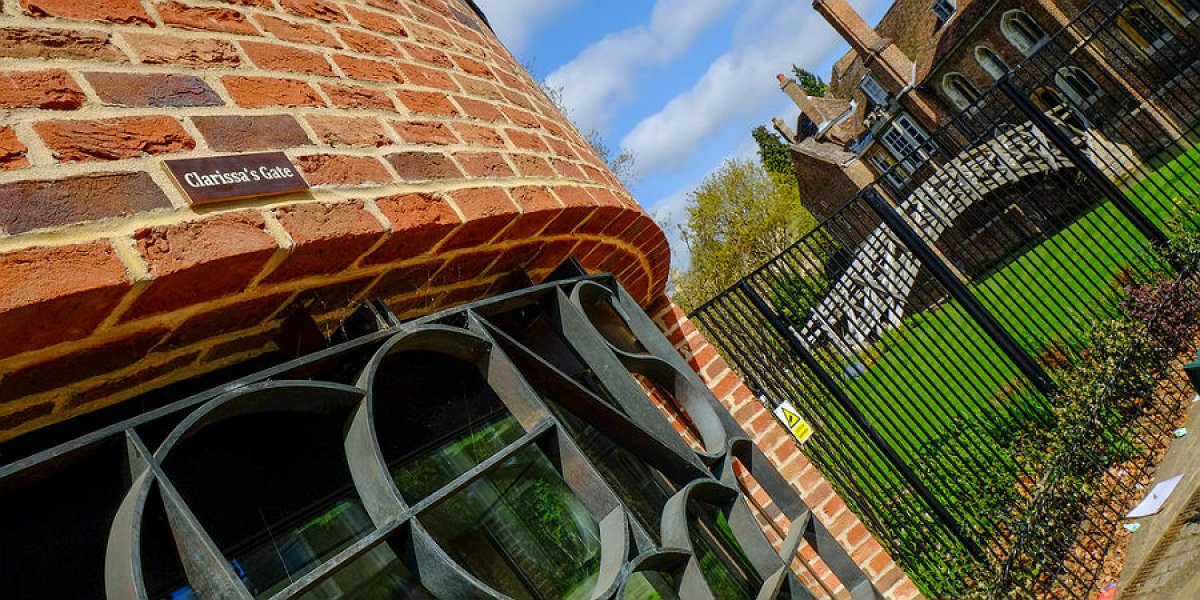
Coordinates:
[801,351]
[1085,165]
[959,291]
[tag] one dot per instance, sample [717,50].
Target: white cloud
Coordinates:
[737,88]
[515,21]
[601,77]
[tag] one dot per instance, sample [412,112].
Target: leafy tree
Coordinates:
[813,84]
[739,217]
[773,153]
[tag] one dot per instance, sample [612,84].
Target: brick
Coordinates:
[430,56]
[204,18]
[481,110]
[80,365]
[367,69]
[227,133]
[488,212]
[516,258]
[12,151]
[109,11]
[106,391]
[337,169]
[172,50]
[427,103]
[418,222]
[352,96]
[19,418]
[277,57]
[523,118]
[334,297]
[152,89]
[479,135]
[377,22]
[315,9]
[28,205]
[52,89]
[403,280]
[484,164]
[113,139]
[50,44]
[237,317]
[527,140]
[532,166]
[356,132]
[463,268]
[328,237]
[369,43]
[424,132]
[423,166]
[425,77]
[255,92]
[290,31]
[79,285]
[255,344]
[474,67]
[194,262]
[566,169]
[476,87]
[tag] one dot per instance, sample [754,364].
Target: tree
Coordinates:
[740,216]
[813,84]
[772,152]
[623,165]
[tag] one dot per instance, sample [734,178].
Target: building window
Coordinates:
[991,62]
[1079,87]
[908,144]
[1142,28]
[873,90]
[1022,31]
[1047,98]
[944,9]
[1183,10]
[961,92]
[892,171]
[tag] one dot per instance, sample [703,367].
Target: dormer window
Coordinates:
[873,90]
[943,9]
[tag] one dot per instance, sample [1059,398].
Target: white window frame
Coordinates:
[944,9]
[960,90]
[991,62]
[1017,35]
[871,87]
[908,144]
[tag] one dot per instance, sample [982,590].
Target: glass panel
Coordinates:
[649,586]
[425,474]
[377,575]
[722,560]
[521,530]
[270,567]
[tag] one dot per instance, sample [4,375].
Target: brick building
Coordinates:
[437,175]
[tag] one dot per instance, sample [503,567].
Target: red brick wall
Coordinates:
[437,167]
[778,445]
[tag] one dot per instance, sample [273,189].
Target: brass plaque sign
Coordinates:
[225,178]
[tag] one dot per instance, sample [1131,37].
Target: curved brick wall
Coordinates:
[437,168]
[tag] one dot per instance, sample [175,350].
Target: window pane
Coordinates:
[722,560]
[376,575]
[521,530]
[424,474]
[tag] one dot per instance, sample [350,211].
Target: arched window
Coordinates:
[1142,27]
[960,90]
[1079,87]
[1047,98]
[990,61]
[1021,31]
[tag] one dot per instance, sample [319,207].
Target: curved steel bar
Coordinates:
[123,578]
[441,574]
[663,560]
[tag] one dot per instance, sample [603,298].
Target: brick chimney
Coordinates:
[800,97]
[887,62]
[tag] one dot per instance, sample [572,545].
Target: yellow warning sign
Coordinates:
[791,419]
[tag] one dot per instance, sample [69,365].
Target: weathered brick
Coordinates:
[201,260]
[12,151]
[152,89]
[109,11]
[464,267]
[361,132]
[403,280]
[567,169]
[425,77]
[431,133]
[227,133]
[423,166]
[78,284]
[418,222]
[367,69]
[254,92]
[484,164]
[113,139]
[237,317]
[21,417]
[36,42]
[476,87]
[305,33]
[523,118]
[334,297]
[254,344]
[315,9]
[353,96]
[481,110]
[172,50]
[328,237]
[532,166]
[79,365]
[427,103]
[205,18]
[488,211]
[480,135]
[377,21]
[527,140]
[106,391]
[368,43]
[28,205]
[278,57]
[338,169]
[431,56]
[474,67]
[516,258]
[51,89]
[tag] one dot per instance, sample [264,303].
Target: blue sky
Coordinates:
[680,83]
